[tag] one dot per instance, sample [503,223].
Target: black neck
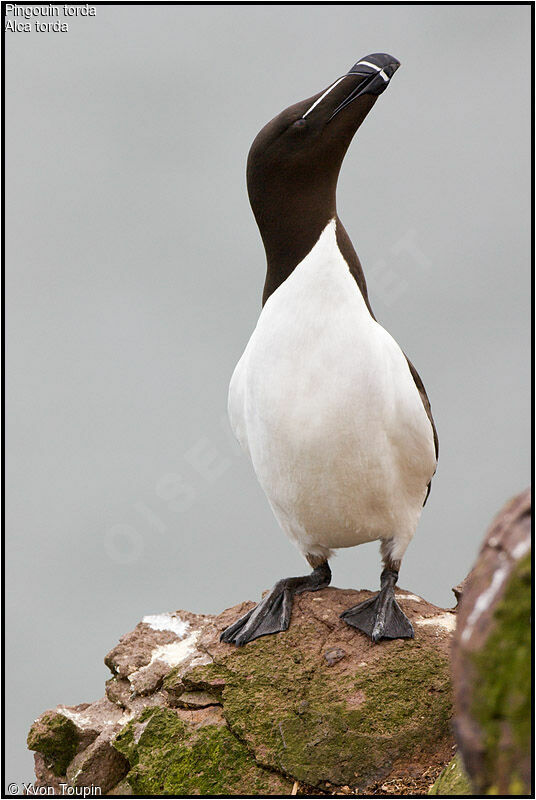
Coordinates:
[292,231]
[290,226]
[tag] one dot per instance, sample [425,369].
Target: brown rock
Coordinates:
[197,700]
[121,789]
[98,765]
[333,655]
[74,742]
[318,703]
[44,776]
[136,649]
[57,735]
[137,704]
[118,691]
[460,589]
[90,719]
[321,739]
[491,657]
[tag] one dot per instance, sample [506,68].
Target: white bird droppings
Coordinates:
[447,621]
[167,622]
[176,652]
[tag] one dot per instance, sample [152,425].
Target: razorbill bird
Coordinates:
[333,415]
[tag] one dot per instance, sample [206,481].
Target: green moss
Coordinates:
[319,725]
[207,678]
[127,740]
[502,692]
[173,682]
[453,781]
[168,756]
[56,737]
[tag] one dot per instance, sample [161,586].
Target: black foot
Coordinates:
[381,617]
[272,614]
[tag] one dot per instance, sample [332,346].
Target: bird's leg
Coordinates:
[272,614]
[381,617]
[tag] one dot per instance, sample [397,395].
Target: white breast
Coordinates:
[324,403]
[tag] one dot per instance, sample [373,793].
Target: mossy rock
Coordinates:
[56,738]
[453,781]
[348,726]
[319,704]
[502,688]
[170,757]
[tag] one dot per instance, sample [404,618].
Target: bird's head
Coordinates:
[296,157]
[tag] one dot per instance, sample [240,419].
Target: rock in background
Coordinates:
[453,781]
[319,705]
[491,658]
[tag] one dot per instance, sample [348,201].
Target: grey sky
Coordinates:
[134,276]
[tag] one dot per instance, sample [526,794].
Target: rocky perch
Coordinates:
[317,709]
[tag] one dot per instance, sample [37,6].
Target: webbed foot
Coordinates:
[381,617]
[272,614]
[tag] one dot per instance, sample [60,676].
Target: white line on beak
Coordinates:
[316,102]
[374,66]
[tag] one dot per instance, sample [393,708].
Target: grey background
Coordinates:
[134,275]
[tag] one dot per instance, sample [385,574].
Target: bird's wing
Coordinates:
[349,254]
[427,407]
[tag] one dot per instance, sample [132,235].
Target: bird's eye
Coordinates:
[299,124]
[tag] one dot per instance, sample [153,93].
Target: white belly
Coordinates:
[324,403]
